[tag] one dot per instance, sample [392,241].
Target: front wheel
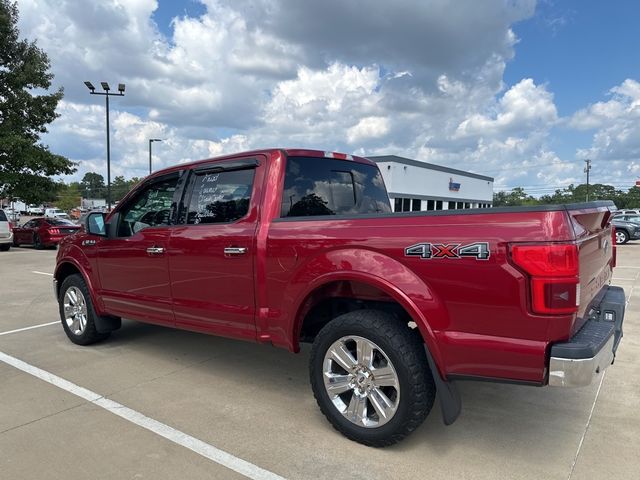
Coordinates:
[77,313]
[370,377]
[621,237]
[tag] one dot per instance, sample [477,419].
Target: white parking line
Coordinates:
[214,454]
[42,273]
[29,328]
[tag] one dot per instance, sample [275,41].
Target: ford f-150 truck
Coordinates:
[289,246]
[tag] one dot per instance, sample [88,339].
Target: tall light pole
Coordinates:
[586,170]
[92,90]
[151,140]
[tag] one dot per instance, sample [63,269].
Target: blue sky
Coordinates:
[579,48]
[520,90]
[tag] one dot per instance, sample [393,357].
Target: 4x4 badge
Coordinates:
[477,250]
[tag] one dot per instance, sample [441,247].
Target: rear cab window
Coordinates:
[327,186]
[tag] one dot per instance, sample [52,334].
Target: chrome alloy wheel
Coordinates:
[75,310]
[621,237]
[361,381]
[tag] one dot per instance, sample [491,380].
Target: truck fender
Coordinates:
[379,271]
[76,258]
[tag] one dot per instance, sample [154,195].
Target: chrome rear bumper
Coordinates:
[579,372]
[578,361]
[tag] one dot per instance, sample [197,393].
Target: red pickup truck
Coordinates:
[288,246]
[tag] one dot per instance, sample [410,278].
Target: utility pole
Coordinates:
[586,170]
[92,91]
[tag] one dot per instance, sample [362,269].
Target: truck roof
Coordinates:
[297,152]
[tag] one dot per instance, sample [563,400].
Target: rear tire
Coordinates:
[5,248]
[77,313]
[37,243]
[370,376]
[622,237]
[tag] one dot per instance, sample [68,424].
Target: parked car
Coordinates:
[625,230]
[12,214]
[633,218]
[626,212]
[6,232]
[55,213]
[43,232]
[292,246]
[35,210]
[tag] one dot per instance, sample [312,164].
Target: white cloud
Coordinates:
[417,78]
[524,107]
[615,148]
[368,127]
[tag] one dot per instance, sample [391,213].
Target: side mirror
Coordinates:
[94,224]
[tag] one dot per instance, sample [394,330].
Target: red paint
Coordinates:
[49,234]
[476,316]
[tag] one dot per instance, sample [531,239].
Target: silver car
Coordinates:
[6,232]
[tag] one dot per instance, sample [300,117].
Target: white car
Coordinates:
[12,214]
[6,232]
[35,210]
[55,213]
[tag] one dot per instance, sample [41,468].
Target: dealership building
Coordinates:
[420,186]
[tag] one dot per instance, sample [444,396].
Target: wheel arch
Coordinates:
[71,266]
[401,290]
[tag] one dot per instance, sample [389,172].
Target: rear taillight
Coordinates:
[614,252]
[54,231]
[554,273]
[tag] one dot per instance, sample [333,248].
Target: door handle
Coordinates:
[235,250]
[155,250]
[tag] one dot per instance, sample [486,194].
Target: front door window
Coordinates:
[152,207]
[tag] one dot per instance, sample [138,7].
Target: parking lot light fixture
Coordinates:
[107,94]
[151,140]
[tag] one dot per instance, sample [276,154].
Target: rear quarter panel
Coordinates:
[475,310]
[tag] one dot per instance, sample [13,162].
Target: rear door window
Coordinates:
[3,217]
[328,186]
[220,196]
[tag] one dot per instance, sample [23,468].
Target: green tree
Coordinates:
[92,185]
[515,197]
[68,196]
[25,163]
[119,188]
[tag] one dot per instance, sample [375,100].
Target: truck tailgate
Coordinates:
[596,256]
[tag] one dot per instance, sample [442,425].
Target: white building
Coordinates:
[416,186]
[92,203]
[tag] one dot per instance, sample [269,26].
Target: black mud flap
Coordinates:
[447,392]
[106,324]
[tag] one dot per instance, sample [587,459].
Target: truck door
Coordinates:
[132,264]
[212,250]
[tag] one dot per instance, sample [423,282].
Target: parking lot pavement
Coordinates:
[255,402]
